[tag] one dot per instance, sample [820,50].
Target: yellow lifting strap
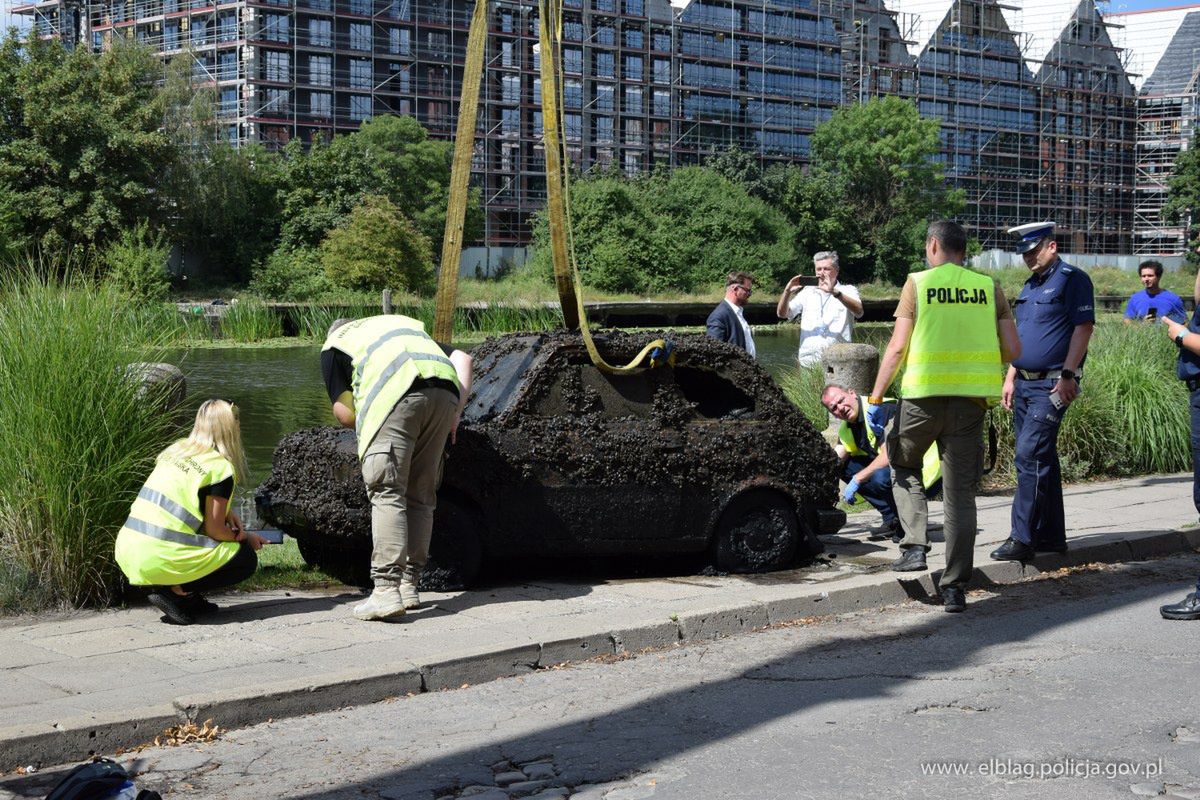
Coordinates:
[562,249]
[460,176]
[566,271]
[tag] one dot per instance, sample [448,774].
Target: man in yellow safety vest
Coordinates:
[954,329]
[403,393]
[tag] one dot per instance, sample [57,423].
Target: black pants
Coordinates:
[236,570]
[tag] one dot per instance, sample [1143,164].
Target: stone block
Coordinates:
[711,624]
[647,636]
[479,667]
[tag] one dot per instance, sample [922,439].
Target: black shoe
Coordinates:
[1012,550]
[953,599]
[911,560]
[897,537]
[173,606]
[1187,608]
[1051,548]
[196,604]
[885,531]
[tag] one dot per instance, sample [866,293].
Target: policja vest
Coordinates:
[954,350]
[388,354]
[162,542]
[931,464]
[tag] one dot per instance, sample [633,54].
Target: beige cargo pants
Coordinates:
[402,469]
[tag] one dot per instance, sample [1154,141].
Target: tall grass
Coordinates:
[77,441]
[250,321]
[803,387]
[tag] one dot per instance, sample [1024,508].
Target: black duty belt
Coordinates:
[1037,375]
[433,383]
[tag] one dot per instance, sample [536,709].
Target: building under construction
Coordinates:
[1037,101]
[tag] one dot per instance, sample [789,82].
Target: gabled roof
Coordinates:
[1147,35]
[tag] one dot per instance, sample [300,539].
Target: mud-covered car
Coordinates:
[556,458]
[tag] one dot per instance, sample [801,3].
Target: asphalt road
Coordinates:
[1068,686]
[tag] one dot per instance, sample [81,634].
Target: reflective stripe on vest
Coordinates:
[171,507]
[388,353]
[168,535]
[955,348]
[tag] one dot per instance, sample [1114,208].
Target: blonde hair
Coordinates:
[217,428]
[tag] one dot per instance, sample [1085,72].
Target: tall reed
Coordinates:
[77,440]
[250,321]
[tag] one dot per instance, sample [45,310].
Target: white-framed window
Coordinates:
[360,73]
[360,36]
[320,104]
[400,41]
[320,70]
[360,107]
[275,28]
[320,32]
[278,66]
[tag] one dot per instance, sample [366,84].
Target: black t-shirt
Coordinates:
[337,368]
[222,489]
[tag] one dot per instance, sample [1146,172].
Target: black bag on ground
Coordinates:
[91,780]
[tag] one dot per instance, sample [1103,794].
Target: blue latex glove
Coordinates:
[875,418]
[850,490]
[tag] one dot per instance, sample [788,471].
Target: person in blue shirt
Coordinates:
[1055,317]
[1153,302]
[1187,369]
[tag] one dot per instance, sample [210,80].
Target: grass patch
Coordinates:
[250,321]
[280,566]
[78,441]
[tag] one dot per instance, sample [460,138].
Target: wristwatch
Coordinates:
[1066,373]
[1179,337]
[837,293]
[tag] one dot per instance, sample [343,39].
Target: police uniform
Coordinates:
[1051,305]
[1187,368]
[405,391]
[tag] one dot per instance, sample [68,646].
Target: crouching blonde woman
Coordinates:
[181,537]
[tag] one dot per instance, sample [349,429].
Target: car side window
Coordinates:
[714,395]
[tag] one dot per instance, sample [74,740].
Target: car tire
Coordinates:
[349,564]
[757,532]
[456,549]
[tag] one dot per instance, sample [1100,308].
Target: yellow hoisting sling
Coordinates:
[562,250]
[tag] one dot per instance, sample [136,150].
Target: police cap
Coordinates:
[1032,234]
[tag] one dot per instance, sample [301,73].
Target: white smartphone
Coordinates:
[1056,401]
[270,535]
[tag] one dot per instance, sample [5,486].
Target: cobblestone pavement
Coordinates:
[1068,685]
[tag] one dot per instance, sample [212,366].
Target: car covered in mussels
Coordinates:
[557,458]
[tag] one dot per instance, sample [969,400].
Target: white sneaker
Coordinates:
[383,604]
[408,595]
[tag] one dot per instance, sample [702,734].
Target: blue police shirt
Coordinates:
[1163,303]
[1047,311]
[1188,366]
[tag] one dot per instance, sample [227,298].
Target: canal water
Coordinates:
[279,390]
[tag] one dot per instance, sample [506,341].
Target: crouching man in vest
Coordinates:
[403,393]
[954,329]
[182,537]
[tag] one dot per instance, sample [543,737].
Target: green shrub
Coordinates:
[294,276]
[377,247]
[136,264]
[77,441]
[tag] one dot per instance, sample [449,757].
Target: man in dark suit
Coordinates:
[727,322]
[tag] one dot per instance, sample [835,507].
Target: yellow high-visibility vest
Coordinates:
[955,349]
[388,353]
[931,464]
[162,543]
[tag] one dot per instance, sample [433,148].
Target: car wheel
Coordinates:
[348,564]
[757,532]
[456,550]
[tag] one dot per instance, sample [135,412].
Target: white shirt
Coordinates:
[824,320]
[745,328]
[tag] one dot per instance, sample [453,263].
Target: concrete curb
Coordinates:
[74,738]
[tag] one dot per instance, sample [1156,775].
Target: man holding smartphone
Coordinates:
[827,310]
[1055,317]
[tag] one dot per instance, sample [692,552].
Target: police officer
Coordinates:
[1055,316]
[402,392]
[1187,338]
[953,331]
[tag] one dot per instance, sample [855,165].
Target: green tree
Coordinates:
[377,247]
[880,156]
[388,156]
[82,149]
[1183,198]
[672,231]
